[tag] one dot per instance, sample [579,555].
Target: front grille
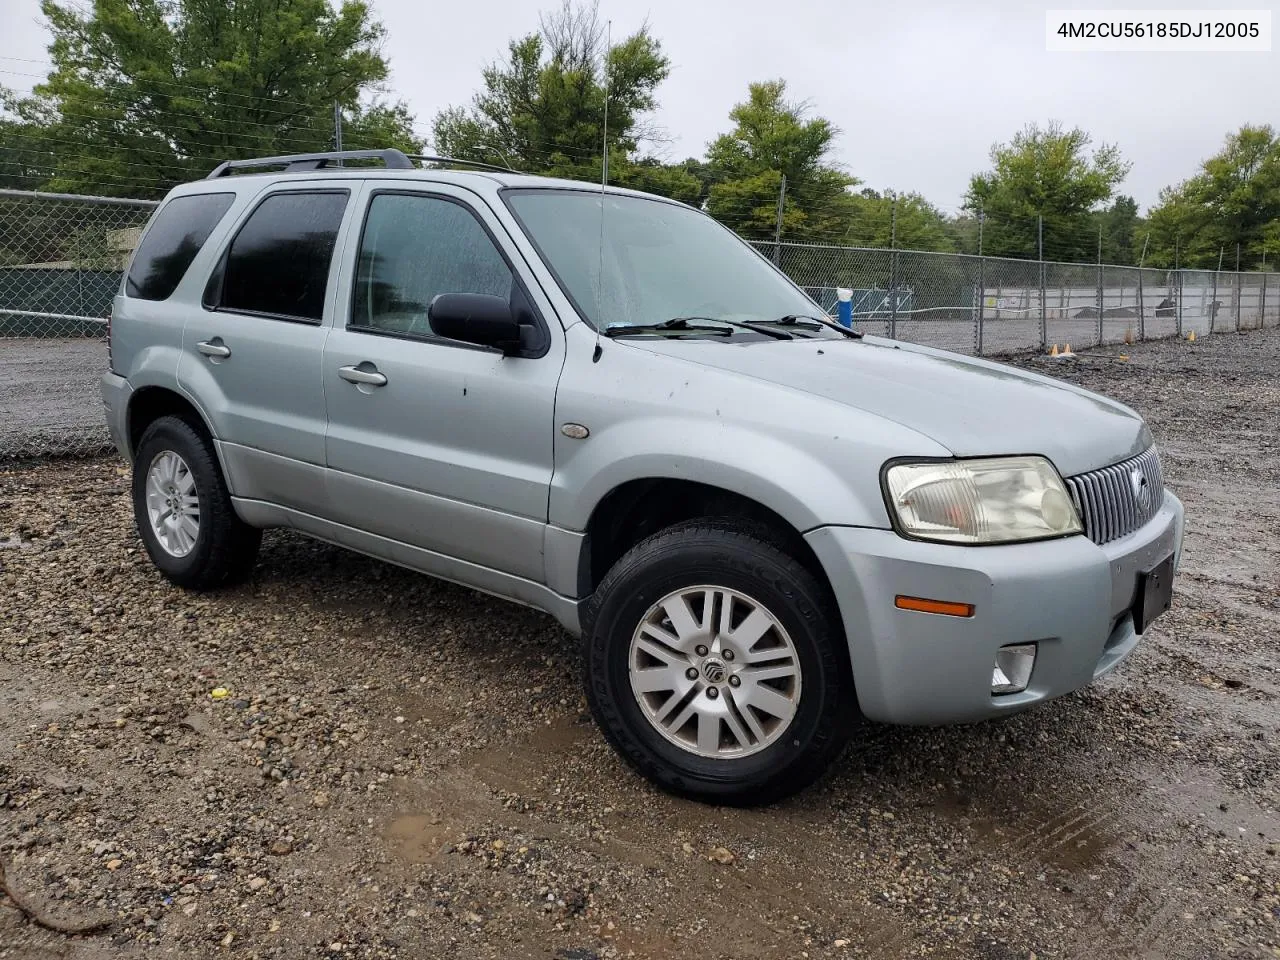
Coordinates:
[1113,502]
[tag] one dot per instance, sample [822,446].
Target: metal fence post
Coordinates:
[777,230]
[1262,303]
[893,271]
[1178,274]
[1099,304]
[973,311]
[1213,300]
[1044,313]
[1099,284]
[1142,311]
[1044,318]
[893,295]
[982,304]
[1239,292]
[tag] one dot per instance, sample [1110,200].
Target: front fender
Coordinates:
[797,485]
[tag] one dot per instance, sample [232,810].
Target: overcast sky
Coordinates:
[920,90]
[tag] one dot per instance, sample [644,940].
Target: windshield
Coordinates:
[659,261]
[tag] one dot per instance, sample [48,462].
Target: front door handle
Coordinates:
[366,377]
[214,348]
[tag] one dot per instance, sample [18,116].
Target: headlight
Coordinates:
[1000,500]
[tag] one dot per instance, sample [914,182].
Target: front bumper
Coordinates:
[115,401]
[1070,596]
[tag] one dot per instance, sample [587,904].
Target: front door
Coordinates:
[432,442]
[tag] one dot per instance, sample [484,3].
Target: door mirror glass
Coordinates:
[477,318]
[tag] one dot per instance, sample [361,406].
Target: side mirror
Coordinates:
[475,318]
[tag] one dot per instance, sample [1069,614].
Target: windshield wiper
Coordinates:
[690,323]
[742,324]
[679,324]
[793,320]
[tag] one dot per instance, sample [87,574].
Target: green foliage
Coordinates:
[1045,172]
[1121,240]
[1234,199]
[773,137]
[26,158]
[147,93]
[906,221]
[542,110]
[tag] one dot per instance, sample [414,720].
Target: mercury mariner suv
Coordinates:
[603,404]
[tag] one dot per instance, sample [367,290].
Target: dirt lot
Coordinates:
[404,768]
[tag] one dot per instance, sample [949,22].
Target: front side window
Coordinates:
[414,247]
[180,230]
[278,264]
[649,261]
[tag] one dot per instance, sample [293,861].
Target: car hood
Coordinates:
[972,407]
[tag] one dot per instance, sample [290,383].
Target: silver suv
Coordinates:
[603,404]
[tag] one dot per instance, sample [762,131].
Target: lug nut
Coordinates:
[691,673]
[734,681]
[700,650]
[727,654]
[712,692]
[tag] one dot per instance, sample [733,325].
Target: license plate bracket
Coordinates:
[1155,594]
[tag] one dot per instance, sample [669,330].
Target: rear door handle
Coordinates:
[214,348]
[370,377]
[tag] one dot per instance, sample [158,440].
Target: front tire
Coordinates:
[183,510]
[715,664]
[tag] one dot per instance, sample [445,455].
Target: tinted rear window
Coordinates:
[179,231]
[278,263]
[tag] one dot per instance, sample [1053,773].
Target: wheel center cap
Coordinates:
[714,670]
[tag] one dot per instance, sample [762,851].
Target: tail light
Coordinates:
[109,366]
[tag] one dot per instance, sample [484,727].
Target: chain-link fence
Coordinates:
[61,260]
[994,305]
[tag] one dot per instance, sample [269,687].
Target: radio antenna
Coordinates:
[604,182]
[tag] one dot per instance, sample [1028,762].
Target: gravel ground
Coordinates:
[404,768]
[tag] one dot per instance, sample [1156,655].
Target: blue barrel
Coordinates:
[844,306]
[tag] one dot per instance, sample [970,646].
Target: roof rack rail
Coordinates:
[464,163]
[394,159]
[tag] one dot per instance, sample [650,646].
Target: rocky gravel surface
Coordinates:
[343,759]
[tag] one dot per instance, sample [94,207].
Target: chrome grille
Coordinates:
[1108,501]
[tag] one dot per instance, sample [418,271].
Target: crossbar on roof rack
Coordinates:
[394,160]
[462,163]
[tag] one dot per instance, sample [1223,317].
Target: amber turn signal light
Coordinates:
[944,607]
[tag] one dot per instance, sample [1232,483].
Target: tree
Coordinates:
[1045,173]
[906,221]
[26,157]
[147,93]
[772,138]
[543,109]
[1234,199]
[1121,242]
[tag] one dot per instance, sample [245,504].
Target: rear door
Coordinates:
[432,442]
[252,354]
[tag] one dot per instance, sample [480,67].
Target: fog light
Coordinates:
[1012,672]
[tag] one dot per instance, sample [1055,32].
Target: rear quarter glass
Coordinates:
[180,229]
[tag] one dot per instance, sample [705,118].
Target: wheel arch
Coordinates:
[638,508]
[149,403]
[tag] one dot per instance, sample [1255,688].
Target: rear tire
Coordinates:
[771,645]
[183,511]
